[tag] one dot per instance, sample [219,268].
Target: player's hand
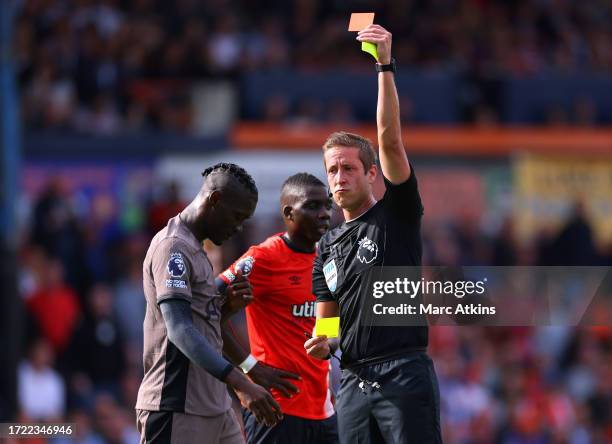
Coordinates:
[270,377]
[255,398]
[318,347]
[381,37]
[238,294]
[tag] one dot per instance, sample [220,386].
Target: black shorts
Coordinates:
[396,401]
[291,430]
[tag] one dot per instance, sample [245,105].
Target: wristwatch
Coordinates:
[390,67]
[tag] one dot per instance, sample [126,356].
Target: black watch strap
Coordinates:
[390,67]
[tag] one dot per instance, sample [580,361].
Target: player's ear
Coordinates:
[213,198]
[372,173]
[288,212]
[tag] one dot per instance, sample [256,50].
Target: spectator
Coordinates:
[56,229]
[82,432]
[225,47]
[77,63]
[166,205]
[54,306]
[113,422]
[97,354]
[41,390]
[129,307]
[575,245]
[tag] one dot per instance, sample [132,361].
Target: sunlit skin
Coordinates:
[219,210]
[229,216]
[350,184]
[306,216]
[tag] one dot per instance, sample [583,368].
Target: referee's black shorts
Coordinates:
[397,402]
[291,430]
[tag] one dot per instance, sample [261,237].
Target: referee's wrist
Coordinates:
[247,365]
[334,345]
[386,66]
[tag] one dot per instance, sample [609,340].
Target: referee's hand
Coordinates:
[255,398]
[318,347]
[381,37]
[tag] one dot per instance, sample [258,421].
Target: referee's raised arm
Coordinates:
[393,160]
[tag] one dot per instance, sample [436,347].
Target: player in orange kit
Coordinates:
[282,311]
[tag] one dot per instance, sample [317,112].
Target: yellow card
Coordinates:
[329,327]
[360,20]
[370,48]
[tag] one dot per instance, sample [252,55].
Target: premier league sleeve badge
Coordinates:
[176,266]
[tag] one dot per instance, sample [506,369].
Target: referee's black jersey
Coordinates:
[388,234]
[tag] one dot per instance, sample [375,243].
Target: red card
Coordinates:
[360,20]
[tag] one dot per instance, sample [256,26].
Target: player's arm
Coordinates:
[321,347]
[237,295]
[183,334]
[257,371]
[393,160]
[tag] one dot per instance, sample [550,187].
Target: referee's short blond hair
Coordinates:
[367,155]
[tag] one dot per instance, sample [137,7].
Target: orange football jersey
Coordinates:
[281,312]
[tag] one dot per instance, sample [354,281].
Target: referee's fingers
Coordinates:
[314,341]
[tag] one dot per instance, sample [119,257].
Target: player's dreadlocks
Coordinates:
[236,171]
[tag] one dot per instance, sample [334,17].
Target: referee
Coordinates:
[389,390]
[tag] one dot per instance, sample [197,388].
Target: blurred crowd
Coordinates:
[110,66]
[105,66]
[81,283]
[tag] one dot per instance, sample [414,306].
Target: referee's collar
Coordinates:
[362,214]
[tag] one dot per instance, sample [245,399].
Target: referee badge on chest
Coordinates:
[331,275]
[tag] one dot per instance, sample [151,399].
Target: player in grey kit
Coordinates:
[183,397]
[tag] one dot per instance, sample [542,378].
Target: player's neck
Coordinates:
[188,216]
[298,243]
[353,214]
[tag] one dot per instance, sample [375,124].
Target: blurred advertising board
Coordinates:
[547,188]
[448,190]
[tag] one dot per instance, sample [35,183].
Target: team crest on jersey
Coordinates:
[331,275]
[176,265]
[368,250]
[246,265]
